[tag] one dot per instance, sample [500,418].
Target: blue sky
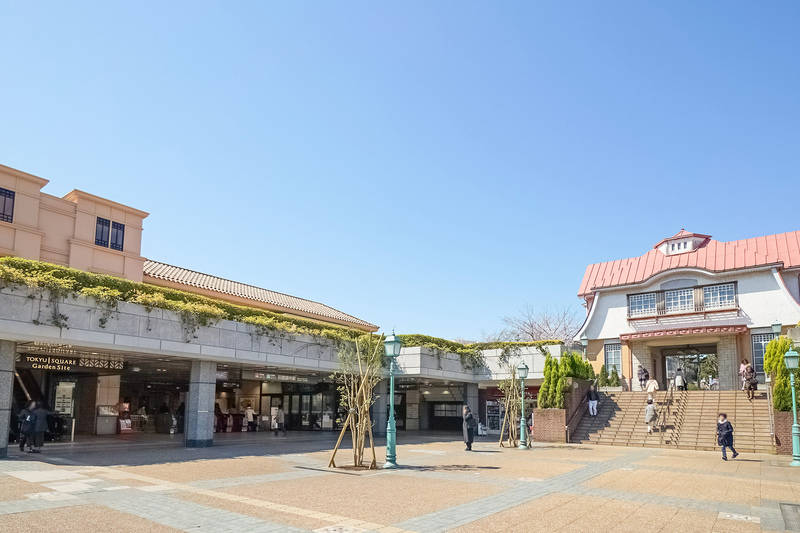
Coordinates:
[428,166]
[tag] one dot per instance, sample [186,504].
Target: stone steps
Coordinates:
[691,423]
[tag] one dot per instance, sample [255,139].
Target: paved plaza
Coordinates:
[261,483]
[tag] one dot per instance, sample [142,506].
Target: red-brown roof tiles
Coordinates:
[712,256]
[190,278]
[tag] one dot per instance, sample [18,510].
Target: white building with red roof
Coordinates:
[694,303]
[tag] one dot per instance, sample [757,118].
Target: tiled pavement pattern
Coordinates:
[742,495]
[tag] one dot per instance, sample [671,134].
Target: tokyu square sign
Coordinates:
[66,364]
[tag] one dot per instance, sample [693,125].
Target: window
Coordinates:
[760,341]
[6,205]
[101,232]
[719,296]
[446,409]
[613,357]
[642,304]
[117,235]
[679,300]
[109,232]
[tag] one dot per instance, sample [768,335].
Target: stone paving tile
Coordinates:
[79,519]
[550,487]
[14,489]
[209,468]
[408,496]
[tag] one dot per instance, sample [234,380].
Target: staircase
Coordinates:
[688,417]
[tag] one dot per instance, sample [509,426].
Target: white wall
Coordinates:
[763,300]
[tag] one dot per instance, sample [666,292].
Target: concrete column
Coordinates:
[8,351]
[471,398]
[200,405]
[379,407]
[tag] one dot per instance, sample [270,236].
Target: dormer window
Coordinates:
[682,242]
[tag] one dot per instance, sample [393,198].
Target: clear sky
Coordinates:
[428,166]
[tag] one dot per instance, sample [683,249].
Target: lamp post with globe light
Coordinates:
[392,347]
[791,358]
[522,372]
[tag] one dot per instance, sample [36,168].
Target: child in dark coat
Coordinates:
[725,435]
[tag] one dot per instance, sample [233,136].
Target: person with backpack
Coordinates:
[27,421]
[725,435]
[643,375]
[468,426]
[39,426]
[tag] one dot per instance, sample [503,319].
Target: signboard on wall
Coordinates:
[65,364]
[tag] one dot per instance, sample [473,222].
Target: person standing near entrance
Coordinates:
[39,426]
[680,380]
[593,398]
[725,435]
[643,375]
[280,422]
[468,427]
[751,381]
[250,417]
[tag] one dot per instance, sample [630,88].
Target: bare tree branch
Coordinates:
[531,325]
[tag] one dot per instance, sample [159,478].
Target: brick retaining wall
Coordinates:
[783,432]
[548,425]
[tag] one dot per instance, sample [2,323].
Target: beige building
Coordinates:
[90,233]
[80,230]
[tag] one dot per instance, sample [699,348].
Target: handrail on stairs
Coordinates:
[665,412]
[771,413]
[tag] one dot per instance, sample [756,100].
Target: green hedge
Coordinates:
[554,387]
[775,366]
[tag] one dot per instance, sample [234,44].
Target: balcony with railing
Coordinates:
[700,299]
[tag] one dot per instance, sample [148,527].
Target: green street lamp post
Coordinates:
[584,343]
[522,372]
[791,358]
[392,346]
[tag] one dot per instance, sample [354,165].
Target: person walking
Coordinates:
[650,415]
[27,421]
[725,435]
[39,426]
[742,368]
[643,375]
[751,381]
[593,396]
[651,386]
[280,422]
[468,427]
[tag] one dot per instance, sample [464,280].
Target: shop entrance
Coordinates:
[698,364]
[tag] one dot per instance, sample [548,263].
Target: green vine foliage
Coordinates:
[194,310]
[471,354]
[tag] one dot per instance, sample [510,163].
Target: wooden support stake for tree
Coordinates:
[338,442]
[503,428]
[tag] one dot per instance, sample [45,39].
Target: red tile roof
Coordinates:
[712,256]
[190,278]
